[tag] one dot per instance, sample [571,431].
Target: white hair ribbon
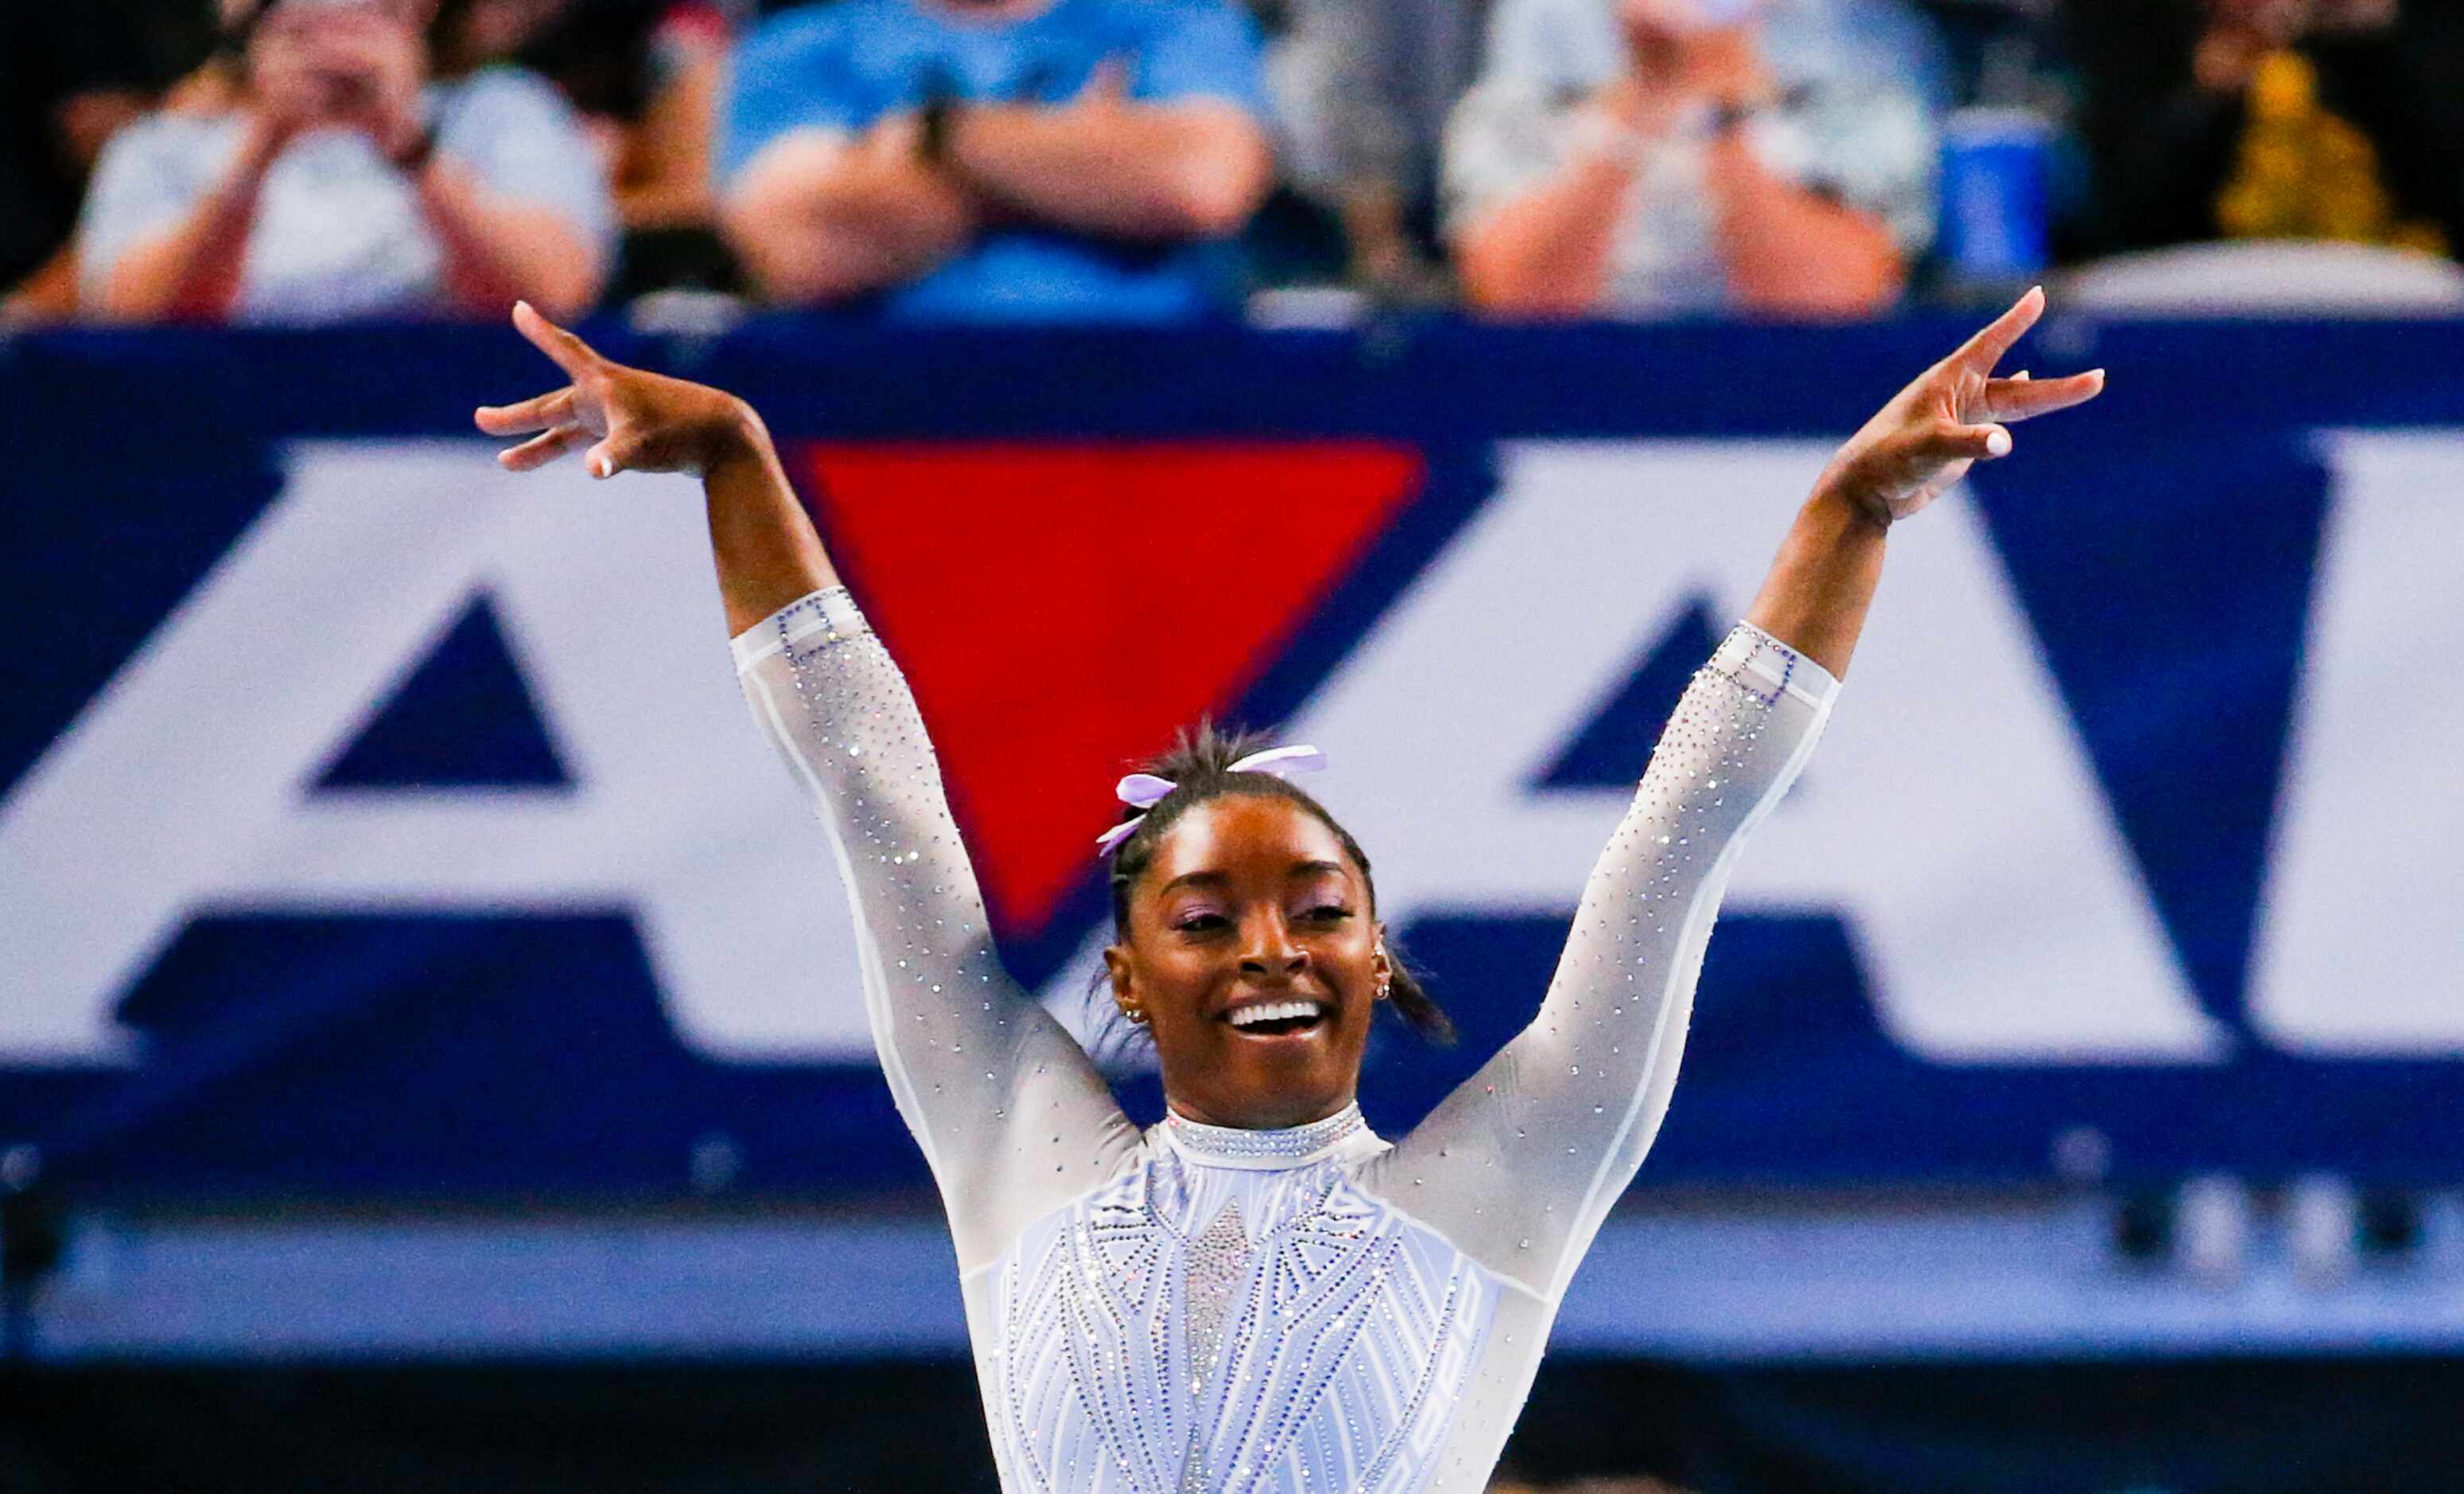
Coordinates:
[1145,790]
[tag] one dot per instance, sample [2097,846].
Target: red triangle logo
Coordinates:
[1062,610]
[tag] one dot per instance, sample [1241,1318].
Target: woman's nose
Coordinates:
[1269,950]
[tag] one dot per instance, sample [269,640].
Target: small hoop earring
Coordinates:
[1136,1014]
[1382,987]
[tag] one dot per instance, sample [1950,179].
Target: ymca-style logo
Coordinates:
[1479,657]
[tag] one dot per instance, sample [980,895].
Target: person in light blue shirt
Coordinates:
[997,159]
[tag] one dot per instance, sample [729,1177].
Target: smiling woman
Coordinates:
[1258,1292]
[1238,903]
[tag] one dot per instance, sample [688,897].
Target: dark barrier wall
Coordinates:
[371,823]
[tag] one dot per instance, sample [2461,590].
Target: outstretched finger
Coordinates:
[1986,348]
[1972,443]
[541,449]
[608,457]
[2021,398]
[571,354]
[543,413]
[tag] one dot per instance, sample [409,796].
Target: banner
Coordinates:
[375,823]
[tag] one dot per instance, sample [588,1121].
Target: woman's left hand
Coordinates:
[1954,415]
[631,419]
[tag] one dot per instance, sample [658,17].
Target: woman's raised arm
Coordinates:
[1008,1110]
[1520,1164]
[1954,415]
[632,420]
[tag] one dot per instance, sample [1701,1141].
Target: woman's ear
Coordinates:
[1381,965]
[1119,971]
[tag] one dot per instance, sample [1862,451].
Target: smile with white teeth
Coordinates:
[1276,1011]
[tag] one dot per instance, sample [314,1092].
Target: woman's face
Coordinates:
[1250,903]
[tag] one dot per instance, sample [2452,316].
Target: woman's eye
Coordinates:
[1201,923]
[1329,912]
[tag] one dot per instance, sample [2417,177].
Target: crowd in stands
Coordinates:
[312,161]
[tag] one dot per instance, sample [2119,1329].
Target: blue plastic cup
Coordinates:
[1993,194]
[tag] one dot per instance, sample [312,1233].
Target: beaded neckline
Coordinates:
[1290,1146]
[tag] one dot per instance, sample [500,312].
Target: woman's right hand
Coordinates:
[1955,415]
[639,421]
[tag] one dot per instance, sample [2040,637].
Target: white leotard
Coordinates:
[1192,1307]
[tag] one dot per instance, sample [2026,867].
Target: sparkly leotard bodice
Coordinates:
[1190,1308]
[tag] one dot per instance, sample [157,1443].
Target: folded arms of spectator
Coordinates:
[820,215]
[1106,165]
[870,143]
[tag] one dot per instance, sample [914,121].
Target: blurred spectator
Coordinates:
[341,180]
[71,75]
[644,75]
[1361,90]
[1004,160]
[1664,156]
[2272,118]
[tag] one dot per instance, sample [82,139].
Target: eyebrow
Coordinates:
[1219,879]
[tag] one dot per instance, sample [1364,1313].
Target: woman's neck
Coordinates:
[1260,1119]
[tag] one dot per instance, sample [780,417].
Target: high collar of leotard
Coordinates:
[1263,1151]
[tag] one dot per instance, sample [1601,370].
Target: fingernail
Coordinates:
[602,468]
[524,306]
[1998,444]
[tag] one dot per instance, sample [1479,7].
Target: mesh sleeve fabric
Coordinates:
[1522,1162]
[1011,1115]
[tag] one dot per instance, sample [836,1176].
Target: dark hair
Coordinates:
[1200,766]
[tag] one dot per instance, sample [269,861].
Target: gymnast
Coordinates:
[1258,1292]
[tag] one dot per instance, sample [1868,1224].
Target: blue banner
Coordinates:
[376,823]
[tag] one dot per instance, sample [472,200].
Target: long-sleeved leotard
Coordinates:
[1193,1308]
